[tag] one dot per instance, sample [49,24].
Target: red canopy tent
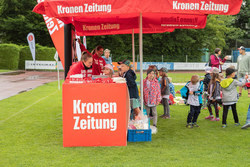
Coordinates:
[121,17]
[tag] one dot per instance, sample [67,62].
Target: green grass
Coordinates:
[4,70]
[31,135]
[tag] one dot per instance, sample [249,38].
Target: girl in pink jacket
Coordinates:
[151,94]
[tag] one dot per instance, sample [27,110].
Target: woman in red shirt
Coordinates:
[83,67]
[216,60]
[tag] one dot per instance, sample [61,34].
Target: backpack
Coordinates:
[209,61]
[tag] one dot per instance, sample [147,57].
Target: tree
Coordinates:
[17,20]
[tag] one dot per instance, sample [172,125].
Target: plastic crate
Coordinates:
[135,135]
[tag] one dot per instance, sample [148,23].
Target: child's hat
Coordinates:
[164,69]
[126,62]
[242,48]
[214,70]
[208,69]
[109,66]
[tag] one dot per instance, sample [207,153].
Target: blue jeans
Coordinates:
[248,114]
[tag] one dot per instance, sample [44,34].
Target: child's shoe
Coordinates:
[219,107]
[189,126]
[209,117]
[195,125]
[246,125]
[215,119]
[237,124]
[224,125]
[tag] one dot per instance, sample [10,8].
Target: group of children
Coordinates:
[214,90]
[217,91]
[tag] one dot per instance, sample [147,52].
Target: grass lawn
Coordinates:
[31,135]
[4,70]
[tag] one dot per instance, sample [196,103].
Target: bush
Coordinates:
[9,56]
[42,53]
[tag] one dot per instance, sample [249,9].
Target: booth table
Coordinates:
[95,114]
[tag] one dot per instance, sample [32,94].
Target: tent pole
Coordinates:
[67,49]
[133,48]
[141,56]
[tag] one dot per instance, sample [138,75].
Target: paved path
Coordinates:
[12,83]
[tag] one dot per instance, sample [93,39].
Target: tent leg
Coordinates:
[67,49]
[141,60]
[133,48]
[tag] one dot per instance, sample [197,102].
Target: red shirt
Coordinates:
[98,64]
[78,68]
[216,62]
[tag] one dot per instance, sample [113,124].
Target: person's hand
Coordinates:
[191,93]
[246,77]
[226,57]
[79,41]
[221,63]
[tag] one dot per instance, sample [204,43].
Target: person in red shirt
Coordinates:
[216,60]
[98,61]
[83,67]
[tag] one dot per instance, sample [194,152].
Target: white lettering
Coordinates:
[76,106]
[105,108]
[76,123]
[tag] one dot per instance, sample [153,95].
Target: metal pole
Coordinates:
[186,58]
[162,57]
[133,48]
[67,49]
[141,56]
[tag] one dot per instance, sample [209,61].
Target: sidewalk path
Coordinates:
[12,83]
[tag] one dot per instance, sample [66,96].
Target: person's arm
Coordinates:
[130,80]
[82,47]
[158,96]
[242,83]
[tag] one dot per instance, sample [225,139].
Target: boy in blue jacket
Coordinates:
[192,91]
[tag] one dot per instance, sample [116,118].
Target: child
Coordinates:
[193,92]
[108,70]
[132,86]
[206,81]
[248,120]
[171,87]
[165,92]
[229,95]
[151,94]
[214,97]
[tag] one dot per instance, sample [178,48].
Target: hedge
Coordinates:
[9,56]
[42,53]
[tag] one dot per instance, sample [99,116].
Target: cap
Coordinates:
[214,70]
[242,48]
[208,69]
[106,50]
[126,62]
[150,70]
[164,69]
[109,66]
[229,71]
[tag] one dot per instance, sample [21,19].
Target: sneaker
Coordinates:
[219,107]
[189,126]
[195,125]
[224,125]
[246,125]
[217,119]
[166,117]
[209,117]
[162,115]
[204,108]
[237,124]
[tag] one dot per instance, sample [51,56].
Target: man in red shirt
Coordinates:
[98,61]
[83,67]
